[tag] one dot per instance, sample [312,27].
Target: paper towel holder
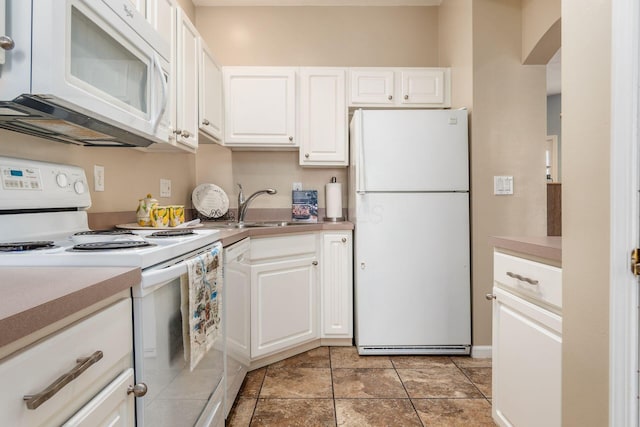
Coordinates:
[333,219]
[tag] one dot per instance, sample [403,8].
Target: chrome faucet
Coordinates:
[244,204]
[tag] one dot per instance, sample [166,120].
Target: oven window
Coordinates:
[103,63]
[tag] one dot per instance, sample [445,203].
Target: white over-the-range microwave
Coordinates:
[89,72]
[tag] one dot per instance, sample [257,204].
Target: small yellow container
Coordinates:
[160,216]
[143,213]
[176,215]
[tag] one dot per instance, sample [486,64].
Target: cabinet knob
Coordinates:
[306,156]
[290,138]
[344,240]
[138,390]
[206,122]
[177,131]
[490,297]
[315,263]
[406,97]
[6,43]
[363,266]
[390,97]
[186,133]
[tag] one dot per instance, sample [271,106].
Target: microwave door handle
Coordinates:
[163,275]
[163,105]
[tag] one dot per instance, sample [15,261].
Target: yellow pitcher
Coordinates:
[143,213]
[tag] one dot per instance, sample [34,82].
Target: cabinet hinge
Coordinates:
[635,262]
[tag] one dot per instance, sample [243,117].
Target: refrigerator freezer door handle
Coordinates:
[360,185]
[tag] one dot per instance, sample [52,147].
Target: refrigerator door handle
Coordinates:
[360,185]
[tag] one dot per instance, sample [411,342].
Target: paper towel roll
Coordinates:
[333,200]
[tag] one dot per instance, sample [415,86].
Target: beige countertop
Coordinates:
[547,247]
[231,236]
[34,298]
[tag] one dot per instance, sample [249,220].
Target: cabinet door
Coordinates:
[283,305]
[371,87]
[161,15]
[527,370]
[210,94]
[114,406]
[423,86]
[336,285]
[323,117]
[185,78]
[260,107]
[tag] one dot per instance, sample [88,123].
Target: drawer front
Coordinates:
[533,280]
[282,246]
[34,369]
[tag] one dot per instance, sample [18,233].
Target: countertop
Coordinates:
[547,247]
[34,298]
[231,236]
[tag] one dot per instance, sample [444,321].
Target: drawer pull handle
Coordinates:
[83,363]
[490,297]
[524,279]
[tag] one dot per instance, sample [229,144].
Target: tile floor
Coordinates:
[334,386]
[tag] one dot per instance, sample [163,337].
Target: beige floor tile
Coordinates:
[241,413]
[294,412]
[348,357]
[481,377]
[297,383]
[252,383]
[419,362]
[316,358]
[367,383]
[454,412]
[471,362]
[376,412]
[438,382]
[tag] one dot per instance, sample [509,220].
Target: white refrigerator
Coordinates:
[409,200]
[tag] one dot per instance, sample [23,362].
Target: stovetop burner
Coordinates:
[106,232]
[26,246]
[113,245]
[171,233]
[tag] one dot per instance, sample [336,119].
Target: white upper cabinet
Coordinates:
[185,82]
[372,87]
[210,94]
[323,117]
[260,107]
[400,87]
[423,87]
[161,15]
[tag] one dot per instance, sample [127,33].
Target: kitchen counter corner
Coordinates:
[547,247]
[34,298]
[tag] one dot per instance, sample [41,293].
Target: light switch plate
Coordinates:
[165,187]
[98,178]
[502,185]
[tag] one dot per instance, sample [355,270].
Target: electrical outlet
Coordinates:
[297,186]
[165,187]
[98,178]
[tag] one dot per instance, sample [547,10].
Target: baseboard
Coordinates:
[481,351]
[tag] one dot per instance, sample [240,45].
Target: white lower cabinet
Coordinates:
[336,285]
[114,406]
[283,304]
[79,375]
[527,344]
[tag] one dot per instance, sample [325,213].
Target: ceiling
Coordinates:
[317,2]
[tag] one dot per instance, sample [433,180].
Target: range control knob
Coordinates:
[79,187]
[62,180]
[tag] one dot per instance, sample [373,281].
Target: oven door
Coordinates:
[176,396]
[103,57]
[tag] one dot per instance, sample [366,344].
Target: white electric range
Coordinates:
[43,222]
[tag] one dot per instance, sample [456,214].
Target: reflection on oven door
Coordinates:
[176,396]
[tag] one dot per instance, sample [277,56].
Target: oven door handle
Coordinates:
[163,275]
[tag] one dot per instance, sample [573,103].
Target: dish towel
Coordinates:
[201,305]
